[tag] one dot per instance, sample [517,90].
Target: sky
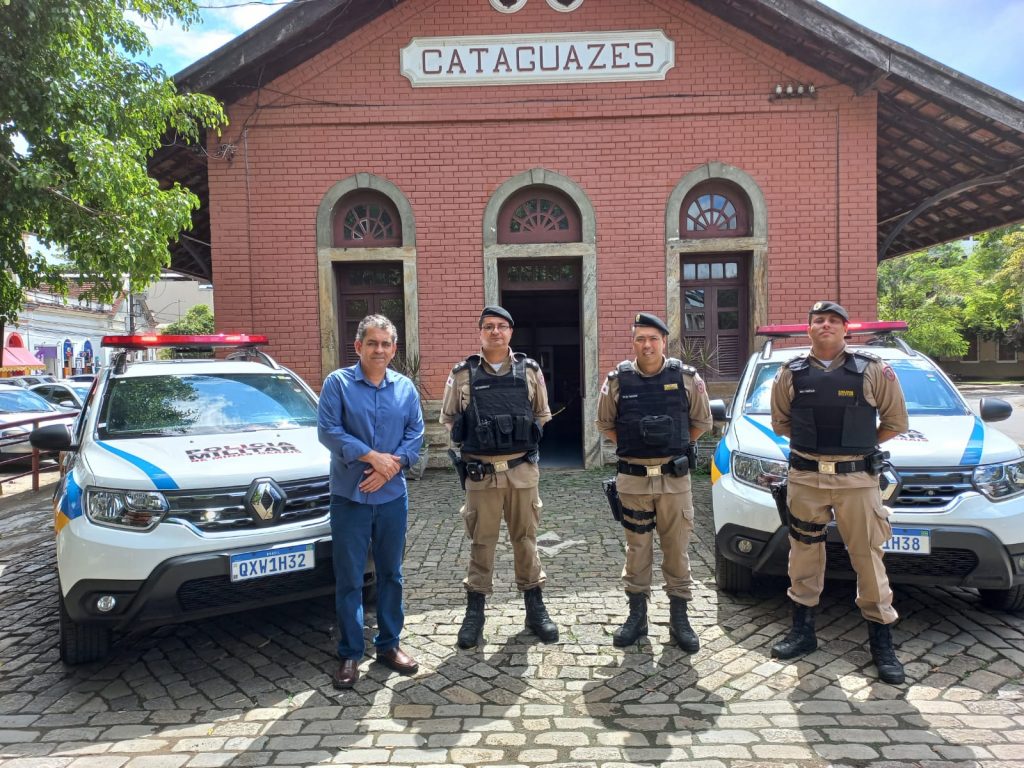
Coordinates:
[981,38]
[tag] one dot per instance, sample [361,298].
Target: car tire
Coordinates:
[732,577]
[1011,599]
[80,643]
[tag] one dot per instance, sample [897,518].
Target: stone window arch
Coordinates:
[366,218]
[577,242]
[539,214]
[716,218]
[366,221]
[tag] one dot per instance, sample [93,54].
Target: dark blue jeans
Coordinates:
[354,529]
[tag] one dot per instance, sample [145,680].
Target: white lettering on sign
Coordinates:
[554,58]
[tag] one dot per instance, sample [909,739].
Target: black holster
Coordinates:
[779,491]
[691,455]
[611,492]
[876,461]
[460,467]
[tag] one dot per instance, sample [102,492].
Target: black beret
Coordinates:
[651,321]
[821,307]
[496,311]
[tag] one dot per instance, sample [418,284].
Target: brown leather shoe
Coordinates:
[347,674]
[399,661]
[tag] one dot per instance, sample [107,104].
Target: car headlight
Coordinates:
[758,472]
[137,510]
[1000,481]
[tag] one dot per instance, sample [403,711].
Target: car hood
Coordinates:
[208,461]
[931,441]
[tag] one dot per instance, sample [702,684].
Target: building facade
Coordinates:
[575,161]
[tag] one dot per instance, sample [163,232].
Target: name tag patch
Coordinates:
[845,393]
[671,386]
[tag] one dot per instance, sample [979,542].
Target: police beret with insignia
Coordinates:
[496,311]
[823,307]
[648,320]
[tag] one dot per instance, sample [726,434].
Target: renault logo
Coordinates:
[265,500]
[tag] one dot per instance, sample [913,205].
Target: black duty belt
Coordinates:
[645,470]
[827,467]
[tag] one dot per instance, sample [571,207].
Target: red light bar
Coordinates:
[876,326]
[152,340]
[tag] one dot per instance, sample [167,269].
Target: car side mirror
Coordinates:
[68,405]
[994,409]
[52,437]
[718,410]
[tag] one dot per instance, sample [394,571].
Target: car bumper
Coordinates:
[195,586]
[961,556]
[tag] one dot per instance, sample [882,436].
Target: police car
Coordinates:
[958,519]
[193,487]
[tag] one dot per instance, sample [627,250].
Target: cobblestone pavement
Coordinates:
[254,689]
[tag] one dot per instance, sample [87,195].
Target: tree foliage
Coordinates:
[947,291]
[198,320]
[79,116]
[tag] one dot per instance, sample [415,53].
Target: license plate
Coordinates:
[909,541]
[272,562]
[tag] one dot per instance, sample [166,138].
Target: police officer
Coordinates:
[495,405]
[836,407]
[654,408]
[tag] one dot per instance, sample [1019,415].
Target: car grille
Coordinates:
[941,562]
[220,591]
[223,509]
[927,490]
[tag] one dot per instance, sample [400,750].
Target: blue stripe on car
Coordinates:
[779,440]
[71,501]
[160,479]
[972,453]
[721,457]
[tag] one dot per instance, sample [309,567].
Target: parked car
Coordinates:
[29,380]
[16,405]
[82,377]
[68,395]
[958,519]
[195,488]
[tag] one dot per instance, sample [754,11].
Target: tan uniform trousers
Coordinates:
[482,514]
[864,525]
[674,521]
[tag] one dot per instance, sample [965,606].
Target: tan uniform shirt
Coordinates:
[700,418]
[456,400]
[881,389]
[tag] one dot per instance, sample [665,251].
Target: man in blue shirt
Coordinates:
[370,419]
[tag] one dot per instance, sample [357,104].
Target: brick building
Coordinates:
[723,163]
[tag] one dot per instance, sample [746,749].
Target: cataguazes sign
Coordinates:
[554,58]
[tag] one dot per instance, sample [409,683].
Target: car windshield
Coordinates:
[927,393]
[204,405]
[22,401]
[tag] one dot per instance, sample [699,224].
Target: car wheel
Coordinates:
[732,577]
[80,643]
[1011,599]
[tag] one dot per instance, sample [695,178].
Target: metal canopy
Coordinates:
[950,149]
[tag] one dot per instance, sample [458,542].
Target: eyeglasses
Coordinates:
[491,328]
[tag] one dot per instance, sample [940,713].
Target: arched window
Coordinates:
[366,219]
[714,209]
[539,215]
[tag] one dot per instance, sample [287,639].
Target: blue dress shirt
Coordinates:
[355,416]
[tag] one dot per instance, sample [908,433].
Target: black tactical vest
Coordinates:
[499,418]
[654,413]
[829,414]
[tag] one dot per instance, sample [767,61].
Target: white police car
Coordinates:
[958,519]
[193,488]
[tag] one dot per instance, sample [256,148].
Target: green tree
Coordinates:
[79,116]
[994,305]
[198,320]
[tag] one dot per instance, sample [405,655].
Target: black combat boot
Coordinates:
[537,619]
[679,625]
[635,625]
[473,623]
[889,668]
[800,639]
